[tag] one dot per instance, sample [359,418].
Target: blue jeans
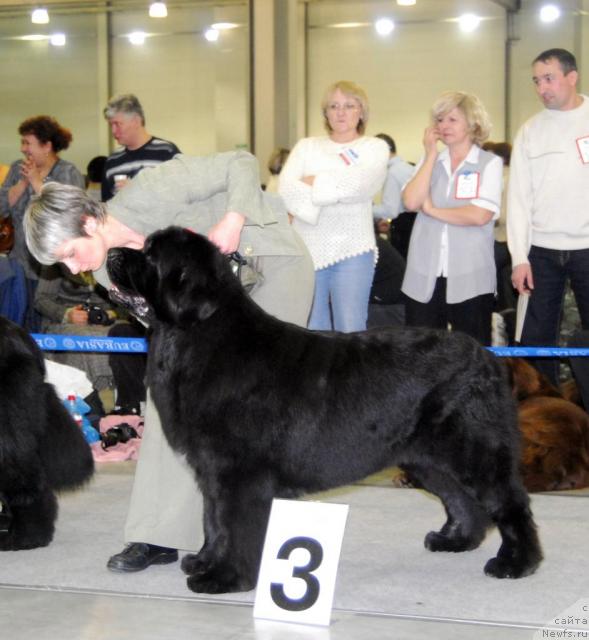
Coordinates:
[550,270]
[341,294]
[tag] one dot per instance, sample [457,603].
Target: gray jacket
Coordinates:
[195,192]
[471,262]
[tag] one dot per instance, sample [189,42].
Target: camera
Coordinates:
[97,315]
[121,433]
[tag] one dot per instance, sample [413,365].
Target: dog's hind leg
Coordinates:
[520,552]
[466,522]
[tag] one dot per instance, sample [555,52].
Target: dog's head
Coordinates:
[179,277]
[526,381]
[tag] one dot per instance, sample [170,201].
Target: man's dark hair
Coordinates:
[565,58]
[388,140]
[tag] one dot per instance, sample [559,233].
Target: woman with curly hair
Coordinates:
[450,277]
[42,138]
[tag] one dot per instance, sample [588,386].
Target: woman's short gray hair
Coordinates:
[54,216]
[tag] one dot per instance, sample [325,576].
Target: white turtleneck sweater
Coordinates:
[548,198]
[334,216]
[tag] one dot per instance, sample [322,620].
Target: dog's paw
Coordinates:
[436,541]
[401,480]
[508,568]
[10,542]
[193,563]
[218,580]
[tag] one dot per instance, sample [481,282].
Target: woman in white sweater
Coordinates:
[328,184]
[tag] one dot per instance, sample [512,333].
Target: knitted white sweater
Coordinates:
[548,199]
[334,216]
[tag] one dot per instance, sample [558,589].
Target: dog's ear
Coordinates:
[184,298]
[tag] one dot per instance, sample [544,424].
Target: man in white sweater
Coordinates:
[548,204]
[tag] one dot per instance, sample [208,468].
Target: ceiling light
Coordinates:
[212,35]
[348,25]
[223,26]
[57,39]
[549,13]
[468,22]
[384,26]
[137,37]
[158,10]
[40,16]
[406,3]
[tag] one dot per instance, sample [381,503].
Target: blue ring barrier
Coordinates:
[104,344]
[539,352]
[58,342]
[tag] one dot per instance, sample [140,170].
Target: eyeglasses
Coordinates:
[347,106]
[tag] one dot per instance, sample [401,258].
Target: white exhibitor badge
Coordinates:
[300,560]
[467,185]
[583,146]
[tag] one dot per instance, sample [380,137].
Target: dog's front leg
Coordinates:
[194,563]
[231,559]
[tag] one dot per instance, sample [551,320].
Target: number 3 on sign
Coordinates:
[299,564]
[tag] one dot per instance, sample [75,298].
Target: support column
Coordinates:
[103,79]
[277,77]
[262,86]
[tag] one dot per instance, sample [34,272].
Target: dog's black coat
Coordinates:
[265,409]
[42,450]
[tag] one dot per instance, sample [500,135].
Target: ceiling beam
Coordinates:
[510,5]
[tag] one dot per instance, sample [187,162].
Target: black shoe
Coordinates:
[139,555]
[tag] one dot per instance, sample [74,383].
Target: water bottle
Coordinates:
[78,408]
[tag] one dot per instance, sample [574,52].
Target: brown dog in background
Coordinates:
[555,431]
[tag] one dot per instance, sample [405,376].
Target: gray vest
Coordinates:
[471,263]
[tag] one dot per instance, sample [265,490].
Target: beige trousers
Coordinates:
[166,504]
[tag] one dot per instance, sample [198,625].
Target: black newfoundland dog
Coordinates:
[42,450]
[264,409]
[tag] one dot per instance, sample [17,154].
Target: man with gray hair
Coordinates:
[140,149]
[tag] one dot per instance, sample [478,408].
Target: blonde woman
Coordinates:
[328,184]
[450,276]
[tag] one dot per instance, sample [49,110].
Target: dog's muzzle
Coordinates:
[134,303]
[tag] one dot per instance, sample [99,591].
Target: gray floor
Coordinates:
[69,613]
[28,614]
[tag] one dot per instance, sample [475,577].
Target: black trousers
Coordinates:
[580,365]
[551,268]
[506,294]
[473,316]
